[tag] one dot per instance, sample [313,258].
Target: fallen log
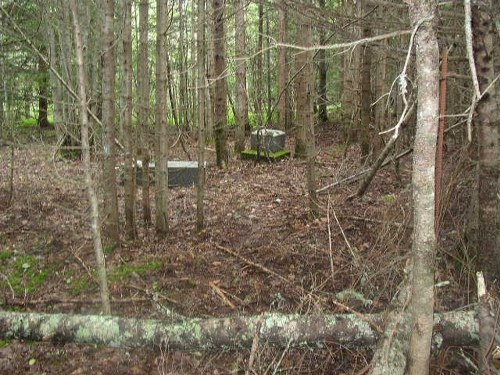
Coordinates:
[455,328]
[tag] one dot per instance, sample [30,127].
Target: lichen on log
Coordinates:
[218,333]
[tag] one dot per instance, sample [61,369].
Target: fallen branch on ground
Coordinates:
[456,328]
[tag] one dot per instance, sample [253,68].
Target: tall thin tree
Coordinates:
[304,98]
[111,218]
[161,165]
[423,13]
[220,92]
[241,75]
[143,110]
[128,130]
[84,124]
[283,108]
[200,53]
[322,72]
[488,124]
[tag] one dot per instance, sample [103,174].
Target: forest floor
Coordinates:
[355,255]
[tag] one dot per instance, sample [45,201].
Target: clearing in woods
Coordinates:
[354,255]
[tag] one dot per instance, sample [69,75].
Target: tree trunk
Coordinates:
[56,84]
[351,80]
[161,165]
[183,71]
[487,123]
[128,130]
[259,74]
[200,53]
[110,221]
[43,92]
[143,83]
[305,146]
[220,113]
[84,123]
[366,99]
[322,73]
[284,113]
[424,239]
[381,119]
[457,329]
[269,90]
[241,76]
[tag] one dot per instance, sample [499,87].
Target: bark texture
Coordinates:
[241,76]
[487,123]
[457,329]
[220,100]
[424,240]
[111,224]
[143,87]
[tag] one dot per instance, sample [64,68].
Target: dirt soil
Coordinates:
[259,211]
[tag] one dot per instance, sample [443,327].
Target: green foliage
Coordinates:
[4,255]
[28,122]
[389,198]
[24,273]
[108,249]
[4,343]
[80,284]
[124,271]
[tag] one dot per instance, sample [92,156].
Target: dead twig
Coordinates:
[10,286]
[375,221]
[85,267]
[221,294]
[253,264]
[148,293]
[255,345]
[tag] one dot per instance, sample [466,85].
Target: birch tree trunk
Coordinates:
[143,86]
[241,76]
[128,130]
[161,165]
[110,221]
[424,239]
[84,123]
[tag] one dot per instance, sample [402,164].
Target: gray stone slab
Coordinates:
[267,140]
[180,173]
